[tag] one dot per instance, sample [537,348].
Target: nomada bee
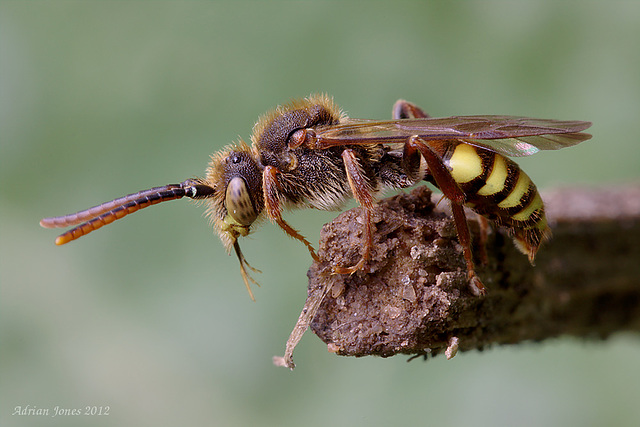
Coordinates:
[308,153]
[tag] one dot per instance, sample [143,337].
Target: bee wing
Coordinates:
[507,135]
[527,145]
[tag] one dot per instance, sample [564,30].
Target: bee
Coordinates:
[308,153]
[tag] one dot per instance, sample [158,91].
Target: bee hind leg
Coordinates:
[464,237]
[484,227]
[452,191]
[407,110]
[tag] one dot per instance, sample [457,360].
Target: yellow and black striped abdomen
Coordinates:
[499,190]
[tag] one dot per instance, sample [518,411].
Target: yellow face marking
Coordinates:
[525,213]
[496,179]
[519,190]
[465,163]
[238,203]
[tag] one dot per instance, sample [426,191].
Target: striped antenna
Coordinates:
[98,216]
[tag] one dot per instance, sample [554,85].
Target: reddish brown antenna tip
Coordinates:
[62,239]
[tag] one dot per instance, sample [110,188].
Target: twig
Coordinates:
[413,296]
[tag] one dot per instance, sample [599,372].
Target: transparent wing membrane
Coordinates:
[507,135]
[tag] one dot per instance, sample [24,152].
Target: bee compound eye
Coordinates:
[238,202]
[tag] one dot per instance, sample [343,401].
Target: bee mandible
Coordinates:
[308,153]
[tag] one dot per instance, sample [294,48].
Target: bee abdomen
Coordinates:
[498,189]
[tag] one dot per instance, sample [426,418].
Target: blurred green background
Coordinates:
[150,317]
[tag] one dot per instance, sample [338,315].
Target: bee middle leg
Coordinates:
[362,194]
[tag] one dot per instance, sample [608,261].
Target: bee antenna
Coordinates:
[98,216]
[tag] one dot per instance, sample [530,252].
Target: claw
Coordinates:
[349,270]
[476,285]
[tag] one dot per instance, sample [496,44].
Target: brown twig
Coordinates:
[413,295]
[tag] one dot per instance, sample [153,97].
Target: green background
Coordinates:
[150,317]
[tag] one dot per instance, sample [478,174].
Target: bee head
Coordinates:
[237,201]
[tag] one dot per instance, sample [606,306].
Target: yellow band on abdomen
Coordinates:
[519,190]
[525,213]
[496,179]
[465,163]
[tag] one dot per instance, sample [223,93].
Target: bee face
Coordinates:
[238,201]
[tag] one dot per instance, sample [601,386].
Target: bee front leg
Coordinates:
[445,182]
[272,206]
[362,194]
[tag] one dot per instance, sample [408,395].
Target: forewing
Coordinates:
[508,135]
[528,145]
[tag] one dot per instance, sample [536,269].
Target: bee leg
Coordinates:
[407,110]
[272,206]
[483,224]
[411,157]
[456,196]
[465,241]
[362,194]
